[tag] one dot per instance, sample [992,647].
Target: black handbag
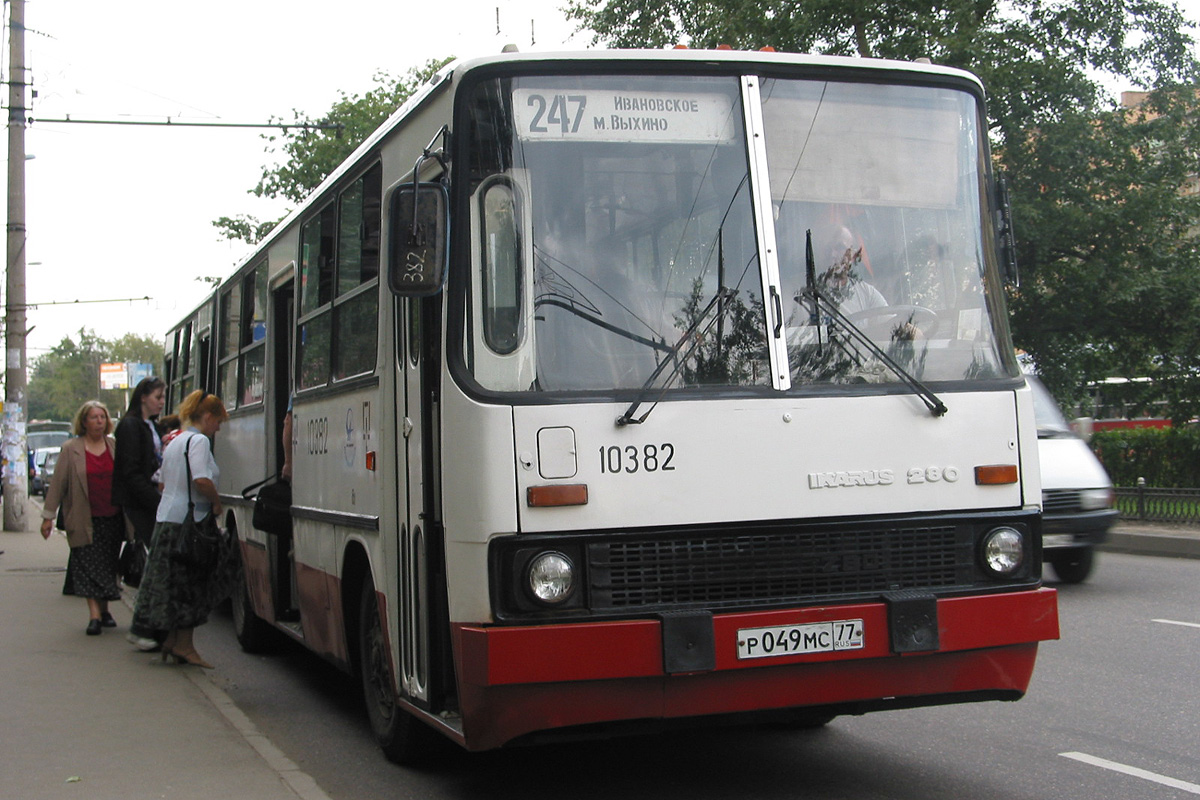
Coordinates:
[132,563]
[198,545]
[272,506]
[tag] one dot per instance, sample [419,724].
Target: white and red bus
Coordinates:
[641,387]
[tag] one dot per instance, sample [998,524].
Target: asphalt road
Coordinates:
[1113,712]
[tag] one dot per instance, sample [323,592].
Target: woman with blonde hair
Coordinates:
[82,485]
[176,597]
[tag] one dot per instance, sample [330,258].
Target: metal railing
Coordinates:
[1147,504]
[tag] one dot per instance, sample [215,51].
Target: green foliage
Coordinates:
[309,153]
[63,379]
[1107,243]
[312,154]
[244,228]
[1167,458]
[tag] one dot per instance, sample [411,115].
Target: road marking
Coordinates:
[1177,622]
[1174,783]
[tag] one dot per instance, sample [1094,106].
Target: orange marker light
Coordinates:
[564,494]
[371,460]
[996,474]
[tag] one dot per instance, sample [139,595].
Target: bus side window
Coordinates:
[501,262]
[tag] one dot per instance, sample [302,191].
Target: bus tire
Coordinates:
[403,738]
[252,632]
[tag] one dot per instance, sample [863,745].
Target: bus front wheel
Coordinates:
[403,738]
[253,633]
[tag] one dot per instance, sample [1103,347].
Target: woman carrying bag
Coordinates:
[82,485]
[135,485]
[176,596]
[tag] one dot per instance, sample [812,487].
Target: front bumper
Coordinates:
[518,680]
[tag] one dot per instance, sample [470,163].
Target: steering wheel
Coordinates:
[878,323]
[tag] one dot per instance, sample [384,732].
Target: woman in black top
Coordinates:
[135,488]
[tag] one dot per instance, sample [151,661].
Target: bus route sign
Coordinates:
[610,115]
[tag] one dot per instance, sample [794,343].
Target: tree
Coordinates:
[311,153]
[1107,243]
[63,379]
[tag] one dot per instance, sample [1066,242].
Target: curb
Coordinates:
[1146,543]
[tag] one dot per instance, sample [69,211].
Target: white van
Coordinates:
[1077,495]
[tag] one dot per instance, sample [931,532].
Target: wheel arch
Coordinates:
[356,571]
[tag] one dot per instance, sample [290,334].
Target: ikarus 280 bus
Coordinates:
[641,387]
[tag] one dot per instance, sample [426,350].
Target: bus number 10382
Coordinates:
[630,459]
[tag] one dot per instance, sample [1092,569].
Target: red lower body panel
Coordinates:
[518,680]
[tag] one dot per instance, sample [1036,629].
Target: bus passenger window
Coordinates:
[313,355]
[356,326]
[501,248]
[316,260]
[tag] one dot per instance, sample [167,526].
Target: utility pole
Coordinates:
[16,471]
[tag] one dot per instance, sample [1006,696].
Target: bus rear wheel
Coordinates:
[403,738]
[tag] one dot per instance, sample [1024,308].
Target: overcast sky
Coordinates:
[116,212]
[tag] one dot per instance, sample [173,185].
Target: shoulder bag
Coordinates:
[198,544]
[132,563]
[272,505]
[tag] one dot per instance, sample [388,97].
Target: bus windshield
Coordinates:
[615,241]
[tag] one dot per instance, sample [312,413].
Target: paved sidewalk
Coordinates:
[91,717]
[1154,539]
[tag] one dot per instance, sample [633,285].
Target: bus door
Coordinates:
[280,545]
[416,428]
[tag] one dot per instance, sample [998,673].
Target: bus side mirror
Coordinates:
[1004,233]
[420,235]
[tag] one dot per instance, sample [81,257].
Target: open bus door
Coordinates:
[283,557]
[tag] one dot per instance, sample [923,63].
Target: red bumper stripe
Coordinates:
[499,656]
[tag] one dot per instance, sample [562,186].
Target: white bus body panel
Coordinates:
[793,458]
[734,460]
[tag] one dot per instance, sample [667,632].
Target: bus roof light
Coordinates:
[562,494]
[996,474]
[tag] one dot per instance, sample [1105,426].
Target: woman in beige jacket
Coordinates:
[82,484]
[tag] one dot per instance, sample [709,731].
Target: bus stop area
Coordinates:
[92,716]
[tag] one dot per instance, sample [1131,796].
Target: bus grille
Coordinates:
[776,566]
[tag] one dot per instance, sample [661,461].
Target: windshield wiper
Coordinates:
[672,359]
[568,305]
[931,400]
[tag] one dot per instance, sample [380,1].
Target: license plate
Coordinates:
[1058,540]
[791,640]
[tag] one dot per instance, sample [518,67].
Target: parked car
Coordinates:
[1077,494]
[44,459]
[40,434]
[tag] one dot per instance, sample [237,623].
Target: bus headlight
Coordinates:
[551,578]
[1004,551]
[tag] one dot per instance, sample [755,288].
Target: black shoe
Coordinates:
[106,619]
[93,628]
